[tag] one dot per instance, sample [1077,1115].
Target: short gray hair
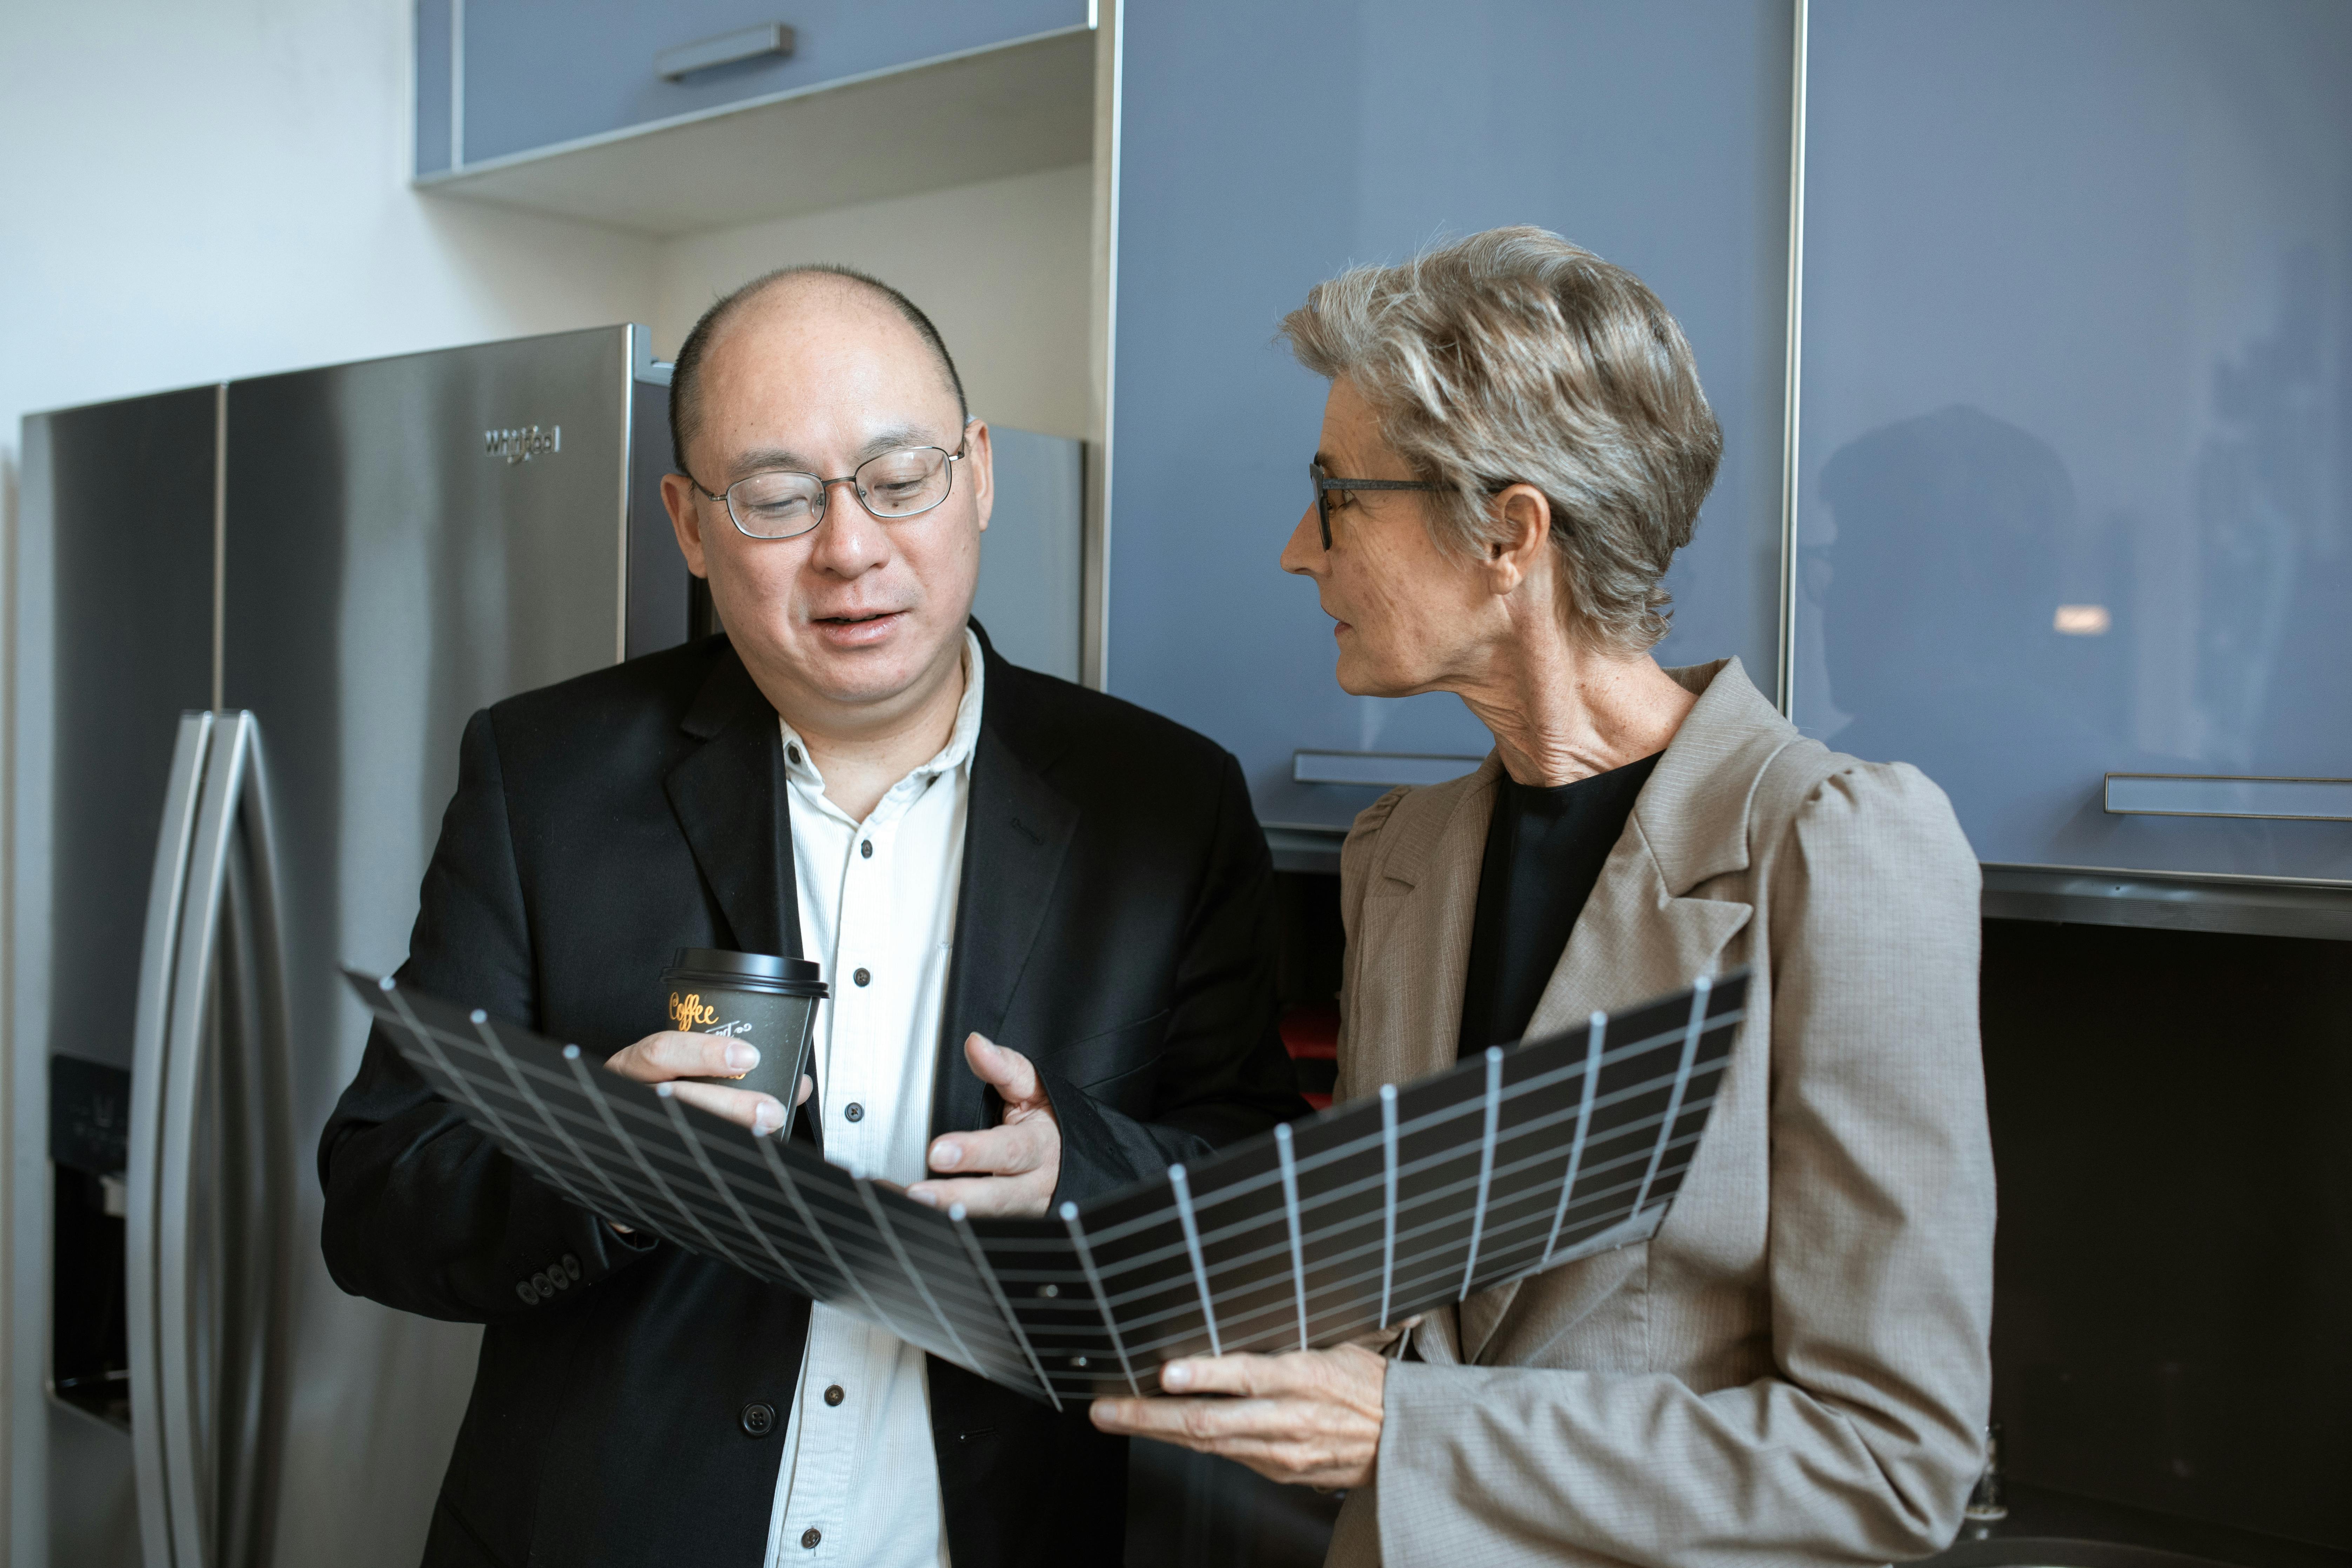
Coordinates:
[1515,357]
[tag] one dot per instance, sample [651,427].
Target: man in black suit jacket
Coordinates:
[1112,925]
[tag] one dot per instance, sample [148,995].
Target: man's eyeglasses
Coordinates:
[1325,484]
[784,503]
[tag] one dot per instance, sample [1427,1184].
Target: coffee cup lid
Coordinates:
[766,967]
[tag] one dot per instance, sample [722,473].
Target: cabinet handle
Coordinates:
[2216,794]
[727,49]
[1379,769]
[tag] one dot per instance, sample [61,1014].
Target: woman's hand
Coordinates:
[1311,1417]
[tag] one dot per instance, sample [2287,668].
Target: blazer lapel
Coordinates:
[732,804]
[1414,933]
[1017,832]
[1641,933]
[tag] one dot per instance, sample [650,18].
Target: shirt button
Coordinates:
[855,1111]
[835,1395]
[866,849]
[810,1536]
[792,754]
[758,1420]
[863,976]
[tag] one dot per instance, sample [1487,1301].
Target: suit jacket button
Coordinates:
[542,1284]
[758,1420]
[572,1265]
[527,1291]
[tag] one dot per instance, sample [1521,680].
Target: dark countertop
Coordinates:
[2054,1530]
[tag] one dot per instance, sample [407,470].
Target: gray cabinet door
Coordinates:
[2076,470]
[1266,147]
[532,73]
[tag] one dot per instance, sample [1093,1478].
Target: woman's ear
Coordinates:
[1524,514]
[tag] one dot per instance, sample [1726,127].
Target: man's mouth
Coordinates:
[858,628]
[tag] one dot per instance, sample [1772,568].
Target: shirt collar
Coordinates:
[956,754]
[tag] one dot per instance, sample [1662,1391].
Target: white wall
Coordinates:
[198,189]
[205,189]
[1002,269]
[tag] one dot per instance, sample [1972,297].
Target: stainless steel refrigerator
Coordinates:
[249,621]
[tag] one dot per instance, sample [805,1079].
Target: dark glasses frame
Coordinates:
[1324,482]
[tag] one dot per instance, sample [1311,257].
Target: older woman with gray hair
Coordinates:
[1794,1369]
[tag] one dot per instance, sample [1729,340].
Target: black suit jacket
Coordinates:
[1115,924]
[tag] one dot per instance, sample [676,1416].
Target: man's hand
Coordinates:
[1010,1169]
[1310,1418]
[670,1055]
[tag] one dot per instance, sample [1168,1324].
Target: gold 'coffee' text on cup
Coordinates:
[687,1012]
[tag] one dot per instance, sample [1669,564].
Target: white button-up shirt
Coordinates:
[859,1481]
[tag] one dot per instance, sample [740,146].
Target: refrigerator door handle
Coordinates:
[208,1325]
[158,956]
[254,1182]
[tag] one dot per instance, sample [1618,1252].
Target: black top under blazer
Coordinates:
[1115,924]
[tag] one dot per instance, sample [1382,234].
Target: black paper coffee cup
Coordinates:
[757,997]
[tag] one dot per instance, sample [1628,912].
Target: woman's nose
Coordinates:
[1303,552]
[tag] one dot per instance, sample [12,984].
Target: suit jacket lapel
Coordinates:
[732,804]
[1017,832]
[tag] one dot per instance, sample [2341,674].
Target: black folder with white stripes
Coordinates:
[1516,1160]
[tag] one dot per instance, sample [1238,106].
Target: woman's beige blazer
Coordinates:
[1794,1370]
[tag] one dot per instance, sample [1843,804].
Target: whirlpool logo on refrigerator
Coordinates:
[523,443]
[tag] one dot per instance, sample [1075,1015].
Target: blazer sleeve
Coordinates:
[1862,1445]
[1226,1074]
[423,1213]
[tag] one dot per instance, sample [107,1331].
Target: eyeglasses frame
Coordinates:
[824,491]
[1324,482]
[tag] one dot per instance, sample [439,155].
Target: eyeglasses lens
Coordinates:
[904,482]
[776,505]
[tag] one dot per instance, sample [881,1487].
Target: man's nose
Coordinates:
[849,538]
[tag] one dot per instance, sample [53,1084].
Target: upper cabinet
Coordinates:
[2075,492]
[1265,147]
[527,74]
[648,116]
